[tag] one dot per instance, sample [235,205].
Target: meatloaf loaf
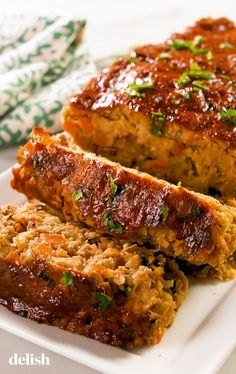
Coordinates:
[128,204]
[167,109]
[83,281]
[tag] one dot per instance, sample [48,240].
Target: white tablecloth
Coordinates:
[113,27]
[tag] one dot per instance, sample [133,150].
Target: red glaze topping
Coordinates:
[52,174]
[211,44]
[74,309]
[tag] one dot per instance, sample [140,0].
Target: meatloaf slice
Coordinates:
[127,204]
[84,281]
[167,109]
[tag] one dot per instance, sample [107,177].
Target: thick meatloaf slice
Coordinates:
[128,204]
[167,109]
[83,281]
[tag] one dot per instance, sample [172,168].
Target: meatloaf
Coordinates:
[128,204]
[84,281]
[167,109]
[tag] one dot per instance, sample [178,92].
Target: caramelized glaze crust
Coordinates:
[216,53]
[82,281]
[142,208]
[72,309]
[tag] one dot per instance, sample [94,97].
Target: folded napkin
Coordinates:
[42,62]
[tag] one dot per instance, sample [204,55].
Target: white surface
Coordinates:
[206,319]
[114,26]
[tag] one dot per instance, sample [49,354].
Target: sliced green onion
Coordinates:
[157,122]
[67,278]
[203,74]
[197,40]
[184,93]
[110,223]
[164,56]
[209,55]
[103,300]
[229,116]
[137,89]
[113,186]
[200,85]
[226,46]
[165,212]
[190,46]
[175,102]
[77,195]
[184,79]
[194,66]
[133,59]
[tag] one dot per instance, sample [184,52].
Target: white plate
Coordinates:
[200,339]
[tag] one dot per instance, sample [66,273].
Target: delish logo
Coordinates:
[29,359]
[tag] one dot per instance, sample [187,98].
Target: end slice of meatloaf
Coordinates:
[126,203]
[83,281]
[167,109]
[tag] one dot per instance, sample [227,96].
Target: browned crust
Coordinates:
[51,173]
[68,294]
[200,114]
[72,308]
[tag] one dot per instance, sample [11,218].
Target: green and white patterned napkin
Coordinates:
[42,62]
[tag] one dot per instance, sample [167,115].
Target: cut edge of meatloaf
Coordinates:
[126,203]
[181,127]
[84,281]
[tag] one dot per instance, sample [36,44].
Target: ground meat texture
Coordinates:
[127,204]
[83,281]
[181,127]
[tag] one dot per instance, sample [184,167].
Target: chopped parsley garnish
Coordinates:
[77,195]
[45,277]
[165,212]
[199,51]
[203,74]
[164,56]
[136,89]
[197,212]
[229,116]
[113,186]
[133,59]
[209,55]
[193,73]
[184,93]
[175,102]
[67,278]
[103,300]
[157,122]
[180,44]
[190,46]
[200,85]
[184,79]
[197,40]
[194,66]
[113,225]
[226,46]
